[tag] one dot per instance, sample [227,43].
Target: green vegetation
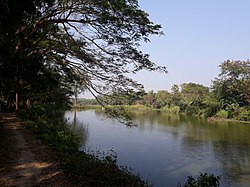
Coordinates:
[52,50]
[171,110]
[228,98]
[204,180]
[222,114]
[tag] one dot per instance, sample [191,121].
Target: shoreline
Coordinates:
[146,108]
[80,167]
[216,119]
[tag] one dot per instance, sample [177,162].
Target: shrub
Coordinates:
[233,110]
[204,180]
[244,114]
[171,110]
[174,110]
[222,114]
[191,109]
[210,111]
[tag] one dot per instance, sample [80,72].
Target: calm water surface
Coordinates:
[166,149]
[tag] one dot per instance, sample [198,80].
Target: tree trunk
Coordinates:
[75,102]
[28,104]
[17,100]
[17,90]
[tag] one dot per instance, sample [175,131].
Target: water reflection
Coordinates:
[235,162]
[79,128]
[169,148]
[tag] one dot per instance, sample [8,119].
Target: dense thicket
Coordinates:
[51,49]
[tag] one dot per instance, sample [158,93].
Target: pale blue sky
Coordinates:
[199,35]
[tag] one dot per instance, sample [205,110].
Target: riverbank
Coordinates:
[216,119]
[24,160]
[172,110]
[50,156]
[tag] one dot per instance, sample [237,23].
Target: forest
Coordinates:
[228,97]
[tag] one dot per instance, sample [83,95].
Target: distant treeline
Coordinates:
[228,97]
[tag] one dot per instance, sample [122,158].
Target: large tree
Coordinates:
[232,86]
[193,96]
[13,15]
[91,42]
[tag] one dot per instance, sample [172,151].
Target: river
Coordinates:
[166,149]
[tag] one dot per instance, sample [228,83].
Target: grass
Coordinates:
[85,107]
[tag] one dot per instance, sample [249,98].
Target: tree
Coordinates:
[193,96]
[175,88]
[162,98]
[16,63]
[94,42]
[233,83]
[149,98]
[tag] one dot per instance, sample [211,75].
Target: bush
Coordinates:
[210,111]
[191,109]
[233,110]
[100,169]
[171,110]
[174,110]
[204,180]
[244,114]
[61,139]
[222,114]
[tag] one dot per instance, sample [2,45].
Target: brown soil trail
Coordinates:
[24,160]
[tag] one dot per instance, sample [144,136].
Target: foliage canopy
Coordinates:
[50,46]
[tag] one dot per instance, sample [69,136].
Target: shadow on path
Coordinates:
[24,160]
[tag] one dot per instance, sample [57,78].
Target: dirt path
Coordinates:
[24,160]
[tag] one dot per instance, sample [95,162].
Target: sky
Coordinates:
[199,36]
